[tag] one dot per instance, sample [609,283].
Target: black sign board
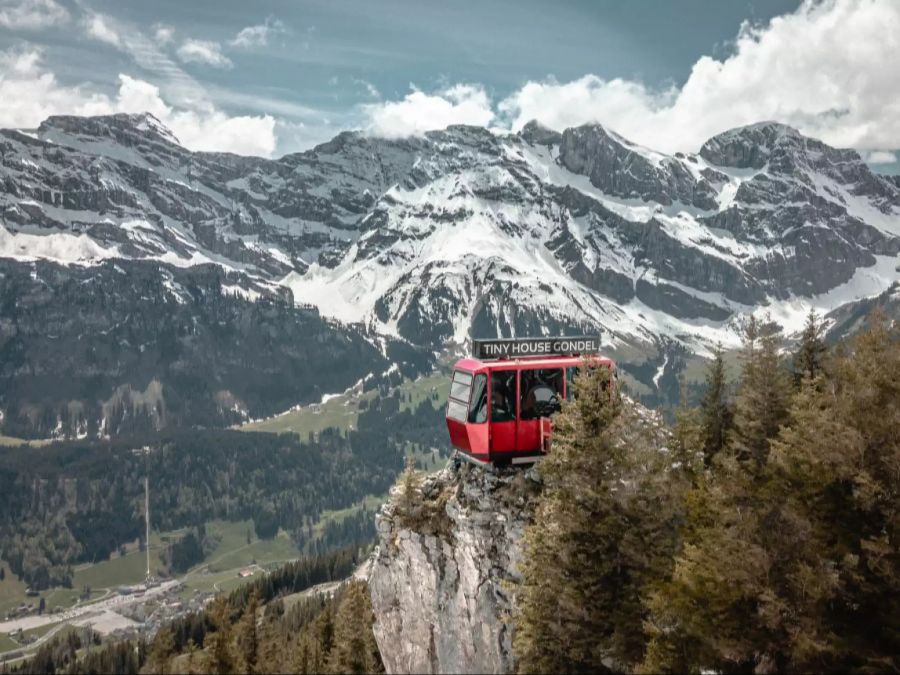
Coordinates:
[513,348]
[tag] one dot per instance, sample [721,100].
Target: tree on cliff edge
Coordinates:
[601,533]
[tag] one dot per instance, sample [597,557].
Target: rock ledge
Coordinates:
[443,584]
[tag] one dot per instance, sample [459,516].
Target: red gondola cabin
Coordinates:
[502,399]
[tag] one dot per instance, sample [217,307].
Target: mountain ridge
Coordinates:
[463,231]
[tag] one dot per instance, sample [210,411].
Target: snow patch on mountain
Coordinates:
[62,248]
[866,283]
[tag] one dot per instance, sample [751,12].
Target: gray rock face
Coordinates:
[621,170]
[747,147]
[442,592]
[537,134]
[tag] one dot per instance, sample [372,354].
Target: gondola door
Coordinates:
[504,397]
[540,391]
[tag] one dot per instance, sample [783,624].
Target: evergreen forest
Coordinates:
[761,535]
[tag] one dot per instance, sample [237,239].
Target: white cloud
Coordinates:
[881,157]
[206,52]
[101,28]
[825,69]
[205,129]
[31,93]
[370,88]
[419,112]
[587,99]
[163,34]
[258,36]
[31,14]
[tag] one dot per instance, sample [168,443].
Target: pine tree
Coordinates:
[219,646]
[791,565]
[602,531]
[688,436]
[354,648]
[323,629]
[716,414]
[808,360]
[866,390]
[762,399]
[191,651]
[409,500]
[302,662]
[706,615]
[271,647]
[161,651]
[248,637]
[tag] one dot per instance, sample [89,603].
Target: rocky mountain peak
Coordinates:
[627,170]
[537,134]
[750,146]
[125,128]
[340,142]
[793,160]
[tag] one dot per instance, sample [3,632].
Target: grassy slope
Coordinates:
[696,367]
[12,592]
[128,569]
[15,442]
[7,644]
[231,553]
[342,411]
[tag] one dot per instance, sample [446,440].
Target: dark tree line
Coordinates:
[188,550]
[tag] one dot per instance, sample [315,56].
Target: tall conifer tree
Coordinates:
[248,635]
[763,395]
[810,354]
[688,436]
[598,537]
[161,651]
[221,654]
[354,648]
[791,565]
[716,413]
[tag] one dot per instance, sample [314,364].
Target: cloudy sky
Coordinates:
[275,76]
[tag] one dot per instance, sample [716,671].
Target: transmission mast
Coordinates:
[147,520]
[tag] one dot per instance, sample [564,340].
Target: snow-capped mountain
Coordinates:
[465,231]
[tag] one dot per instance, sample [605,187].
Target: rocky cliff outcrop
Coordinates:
[444,578]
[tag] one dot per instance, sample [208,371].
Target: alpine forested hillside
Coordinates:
[78,501]
[756,534]
[101,351]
